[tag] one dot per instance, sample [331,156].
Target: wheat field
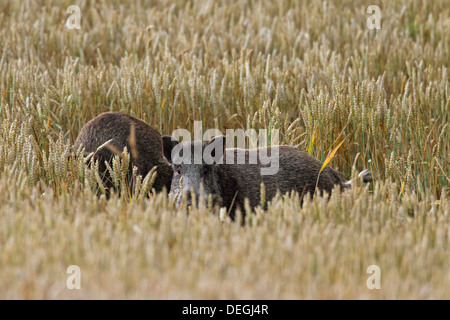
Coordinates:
[311,69]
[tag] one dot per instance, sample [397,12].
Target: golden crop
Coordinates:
[311,69]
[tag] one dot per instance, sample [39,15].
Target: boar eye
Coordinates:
[177,171]
[205,171]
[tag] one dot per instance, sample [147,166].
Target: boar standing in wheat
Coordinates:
[228,183]
[116,128]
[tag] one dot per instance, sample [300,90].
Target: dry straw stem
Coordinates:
[311,69]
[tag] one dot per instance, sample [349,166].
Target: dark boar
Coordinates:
[229,183]
[116,126]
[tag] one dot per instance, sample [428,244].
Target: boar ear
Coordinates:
[219,143]
[167,145]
